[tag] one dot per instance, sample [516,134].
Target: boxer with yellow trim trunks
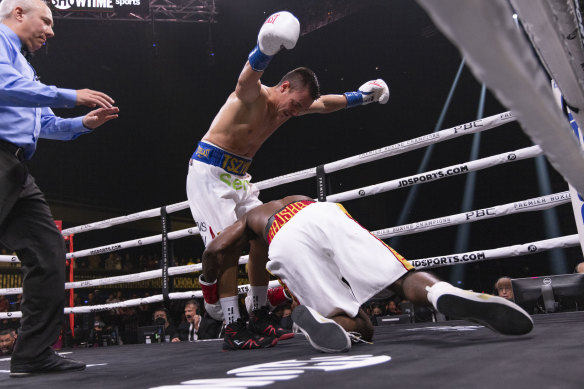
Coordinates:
[332,265]
[218,186]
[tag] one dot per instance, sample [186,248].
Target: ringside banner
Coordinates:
[122,7]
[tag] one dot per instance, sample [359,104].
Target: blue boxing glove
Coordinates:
[371,91]
[280,30]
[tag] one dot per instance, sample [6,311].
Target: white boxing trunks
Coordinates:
[218,189]
[327,260]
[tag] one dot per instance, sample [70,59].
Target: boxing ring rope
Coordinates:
[529,205]
[534,204]
[370,156]
[135,302]
[384,152]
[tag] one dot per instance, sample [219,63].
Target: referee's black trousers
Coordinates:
[27,227]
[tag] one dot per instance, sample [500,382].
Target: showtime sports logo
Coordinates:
[93,4]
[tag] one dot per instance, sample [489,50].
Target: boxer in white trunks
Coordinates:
[331,265]
[218,185]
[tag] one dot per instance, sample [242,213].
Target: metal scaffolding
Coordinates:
[187,11]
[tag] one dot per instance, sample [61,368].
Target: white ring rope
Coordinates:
[396,149]
[498,253]
[534,204]
[529,205]
[133,243]
[384,152]
[125,219]
[479,164]
[127,278]
[241,289]
[453,170]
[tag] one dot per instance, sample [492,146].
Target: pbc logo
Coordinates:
[361,192]
[511,157]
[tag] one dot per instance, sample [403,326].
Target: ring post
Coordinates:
[71,291]
[166,256]
[321,183]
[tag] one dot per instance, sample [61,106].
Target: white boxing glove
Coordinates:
[371,91]
[280,30]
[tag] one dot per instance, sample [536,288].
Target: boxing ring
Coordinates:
[418,355]
[320,172]
[298,348]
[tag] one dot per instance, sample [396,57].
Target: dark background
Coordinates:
[170,79]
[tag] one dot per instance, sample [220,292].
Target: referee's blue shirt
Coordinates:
[25,115]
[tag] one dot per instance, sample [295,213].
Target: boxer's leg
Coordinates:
[360,324]
[324,334]
[494,312]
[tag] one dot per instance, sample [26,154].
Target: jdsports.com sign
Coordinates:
[118,6]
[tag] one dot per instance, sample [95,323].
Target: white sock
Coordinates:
[230,307]
[259,296]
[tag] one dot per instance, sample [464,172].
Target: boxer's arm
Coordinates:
[327,104]
[248,84]
[280,30]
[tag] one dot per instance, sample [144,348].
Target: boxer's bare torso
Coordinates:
[254,111]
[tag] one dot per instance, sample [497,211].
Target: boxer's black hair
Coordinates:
[303,78]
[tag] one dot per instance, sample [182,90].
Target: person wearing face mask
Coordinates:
[160,318]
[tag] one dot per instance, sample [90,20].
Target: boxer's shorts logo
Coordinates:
[237,183]
[202,153]
[235,165]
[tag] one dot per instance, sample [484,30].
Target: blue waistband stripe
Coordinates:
[212,155]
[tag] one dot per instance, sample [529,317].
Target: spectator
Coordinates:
[90,299]
[95,262]
[283,313]
[117,262]
[392,308]
[109,262]
[376,310]
[4,304]
[160,318]
[7,338]
[129,327]
[189,329]
[503,288]
[579,268]
[143,315]
[127,263]
[16,305]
